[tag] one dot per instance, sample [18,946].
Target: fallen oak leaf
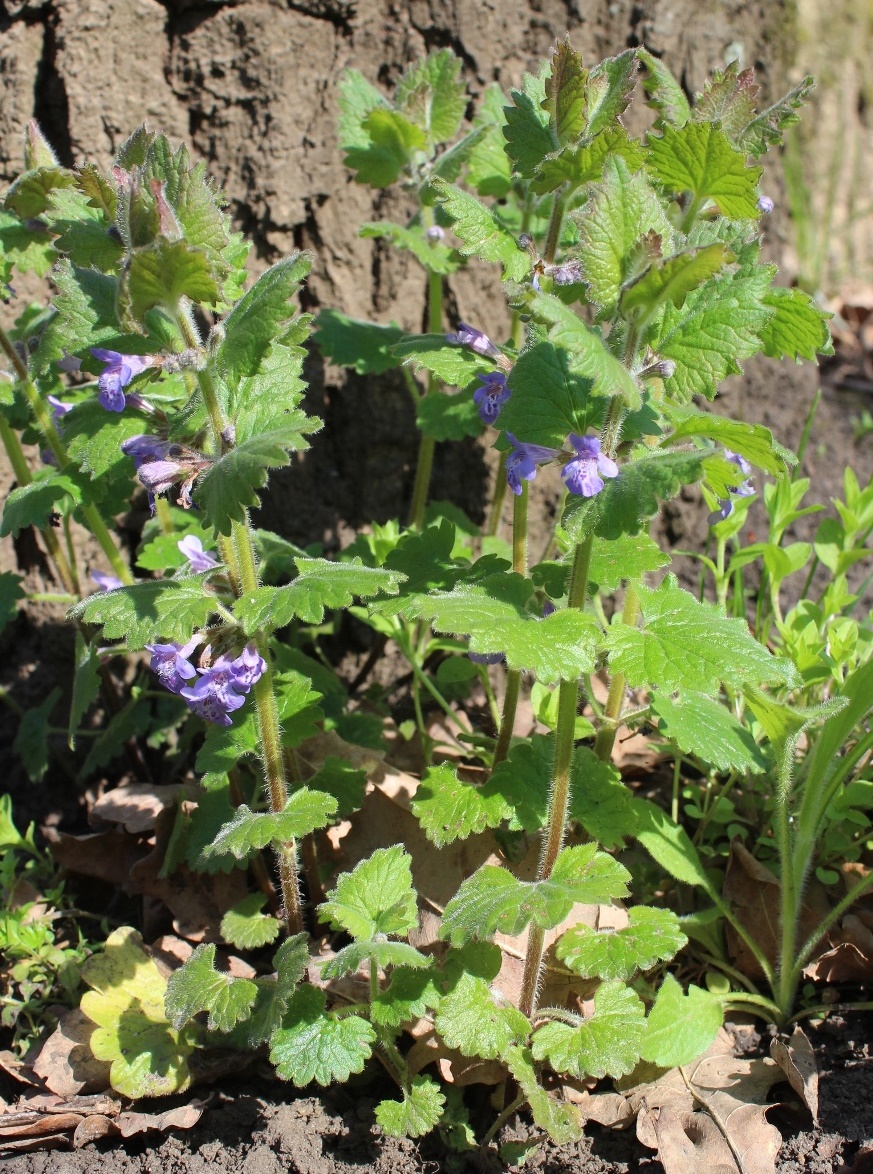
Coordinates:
[66,1064]
[135,806]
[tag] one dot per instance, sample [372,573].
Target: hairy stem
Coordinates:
[612,711]
[513,677]
[559,796]
[426,448]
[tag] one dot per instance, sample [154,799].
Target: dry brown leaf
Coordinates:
[136,806]
[754,894]
[108,856]
[328,744]
[796,1058]
[844,963]
[65,1062]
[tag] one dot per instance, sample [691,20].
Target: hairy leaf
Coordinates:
[753,441]
[408,996]
[566,93]
[529,138]
[798,329]
[140,615]
[482,233]
[672,279]
[561,1121]
[432,95]
[680,1026]
[698,725]
[578,165]
[456,366]
[391,144]
[246,927]
[385,954]
[313,1044]
[651,935]
[161,273]
[606,1043]
[698,158]
[418,1112]
[627,556]
[664,92]
[197,986]
[304,812]
[547,401]
[274,992]
[256,320]
[376,897]
[34,504]
[449,809]
[765,131]
[357,99]
[608,92]
[469,1020]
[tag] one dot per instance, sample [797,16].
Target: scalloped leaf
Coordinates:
[470,1021]
[481,232]
[456,366]
[139,615]
[680,1026]
[706,728]
[376,897]
[304,812]
[651,935]
[418,1112]
[197,986]
[449,809]
[313,1044]
[246,927]
[605,1043]
[698,158]
[258,317]
[566,97]
[351,958]
[798,329]
[433,96]
[493,900]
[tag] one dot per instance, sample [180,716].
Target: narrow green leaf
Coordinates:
[608,92]
[665,95]
[669,845]
[672,279]
[258,317]
[566,93]
[86,685]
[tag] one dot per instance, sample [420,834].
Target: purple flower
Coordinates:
[200,559]
[548,609]
[116,375]
[171,664]
[221,689]
[217,681]
[765,205]
[248,668]
[475,339]
[521,464]
[491,396]
[106,582]
[486,657]
[58,407]
[584,473]
[435,233]
[210,708]
[569,273]
[142,449]
[159,476]
[726,507]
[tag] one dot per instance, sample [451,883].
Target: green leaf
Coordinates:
[588,353]
[34,504]
[376,897]
[320,584]
[698,158]
[798,328]
[765,131]
[627,501]
[456,366]
[561,1121]
[350,342]
[418,1112]
[266,402]
[28,247]
[30,194]
[231,484]
[449,163]
[672,279]
[313,1044]
[706,728]
[304,812]
[246,927]
[385,954]
[608,92]
[600,801]
[161,273]
[345,782]
[86,684]
[449,809]
[470,1021]
[86,316]
[488,165]
[665,95]
[651,935]
[10,592]
[148,1056]
[493,900]
[434,256]
[752,441]
[521,785]
[547,401]
[392,142]
[32,737]
[719,324]
[680,1026]
[729,98]
[584,164]
[620,212]
[357,99]
[408,996]
[274,993]
[431,95]
[494,615]
[684,644]
[258,317]
[627,556]
[529,138]
[566,93]
[93,438]
[163,554]
[139,615]
[83,232]
[669,845]
[482,233]
[197,986]
[446,416]
[606,1043]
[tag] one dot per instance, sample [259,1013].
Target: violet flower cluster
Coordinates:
[583,473]
[219,690]
[120,369]
[160,465]
[747,489]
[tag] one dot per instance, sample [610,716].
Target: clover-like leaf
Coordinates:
[418,1112]
[685,644]
[698,158]
[493,614]
[469,1020]
[680,1026]
[482,233]
[304,812]
[607,1042]
[376,897]
[651,935]
[314,1044]
[492,900]
[197,986]
[246,926]
[148,1056]
[706,728]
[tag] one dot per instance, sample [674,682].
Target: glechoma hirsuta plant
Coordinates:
[633,275]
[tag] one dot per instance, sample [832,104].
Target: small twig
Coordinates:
[720,1125]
